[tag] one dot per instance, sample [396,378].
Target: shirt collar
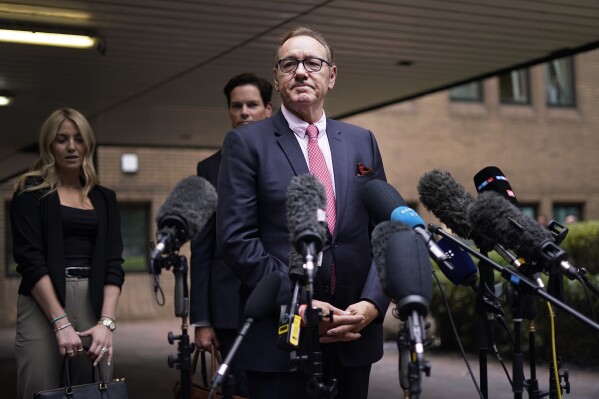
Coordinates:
[299,126]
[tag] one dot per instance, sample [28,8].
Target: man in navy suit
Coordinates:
[259,161]
[214,287]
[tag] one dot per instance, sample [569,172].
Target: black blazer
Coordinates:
[258,163]
[38,246]
[214,287]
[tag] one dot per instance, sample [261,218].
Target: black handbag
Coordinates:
[115,389]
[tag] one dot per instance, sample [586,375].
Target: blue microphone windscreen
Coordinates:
[408,216]
[463,265]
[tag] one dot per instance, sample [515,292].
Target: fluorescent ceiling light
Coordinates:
[5,100]
[47,39]
[28,12]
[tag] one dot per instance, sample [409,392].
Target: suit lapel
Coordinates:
[289,144]
[339,155]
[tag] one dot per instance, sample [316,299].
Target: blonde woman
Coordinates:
[68,247]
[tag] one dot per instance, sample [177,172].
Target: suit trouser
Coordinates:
[39,362]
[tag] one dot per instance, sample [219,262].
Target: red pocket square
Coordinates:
[364,170]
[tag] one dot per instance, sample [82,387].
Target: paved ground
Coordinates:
[141,351]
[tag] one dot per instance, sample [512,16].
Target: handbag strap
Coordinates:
[66,372]
[194,365]
[215,361]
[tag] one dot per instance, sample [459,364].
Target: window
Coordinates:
[559,82]
[567,213]
[467,92]
[134,227]
[514,88]
[531,210]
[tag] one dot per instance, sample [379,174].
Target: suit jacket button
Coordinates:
[327,289]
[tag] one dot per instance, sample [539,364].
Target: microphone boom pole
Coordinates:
[516,279]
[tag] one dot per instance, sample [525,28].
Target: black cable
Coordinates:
[588,296]
[455,332]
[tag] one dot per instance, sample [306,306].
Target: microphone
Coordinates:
[259,305]
[491,178]
[449,201]
[404,269]
[382,201]
[403,266]
[296,266]
[409,216]
[380,238]
[306,216]
[184,213]
[493,216]
[408,271]
[465,272]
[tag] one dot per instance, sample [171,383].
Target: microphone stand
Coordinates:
[486,308]
[529,311]
[410,345]
[521,282]
[517,362]
[312,360]
[555,286]
[184,348]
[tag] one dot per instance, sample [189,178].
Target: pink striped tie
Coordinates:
[318,167]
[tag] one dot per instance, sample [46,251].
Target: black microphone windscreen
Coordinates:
[492,178]
[380,199]
[295,265]
[262,300]
[409,272]
[380,238]
[494,217]
[448,200]
[193,200]
[305,195]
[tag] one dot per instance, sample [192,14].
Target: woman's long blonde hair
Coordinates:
[43,171]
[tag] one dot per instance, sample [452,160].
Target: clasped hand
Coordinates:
[346,324]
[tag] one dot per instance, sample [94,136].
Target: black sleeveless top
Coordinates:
[79,228]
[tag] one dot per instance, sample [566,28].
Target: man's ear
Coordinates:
[275,81]
[332,76]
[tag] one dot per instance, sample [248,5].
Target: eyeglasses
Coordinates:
[289,65]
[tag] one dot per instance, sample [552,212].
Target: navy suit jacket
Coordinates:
[214,286]
[259,161]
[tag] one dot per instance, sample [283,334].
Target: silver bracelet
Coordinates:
[62,327]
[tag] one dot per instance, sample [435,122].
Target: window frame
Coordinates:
[523,73]
[479,92]
[571,76]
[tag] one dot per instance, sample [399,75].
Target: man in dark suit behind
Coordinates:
[214,287]
[259,161]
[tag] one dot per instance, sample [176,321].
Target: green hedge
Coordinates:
[582,245]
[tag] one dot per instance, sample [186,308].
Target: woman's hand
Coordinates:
[69,343]
[101,344]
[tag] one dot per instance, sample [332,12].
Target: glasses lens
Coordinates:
[313,64]
[288,65]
